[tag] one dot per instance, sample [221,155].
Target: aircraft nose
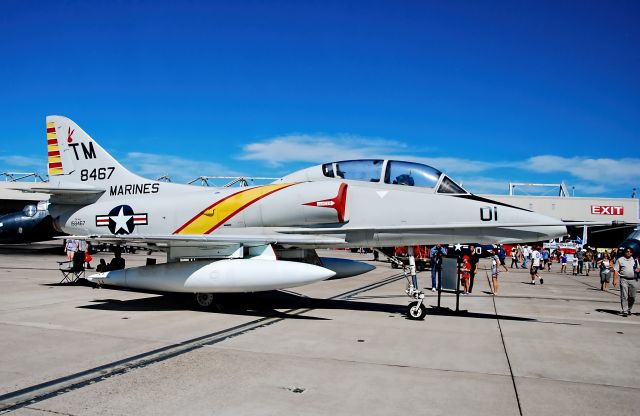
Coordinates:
[551,232]
[549,228]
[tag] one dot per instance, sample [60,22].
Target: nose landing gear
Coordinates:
[416,309]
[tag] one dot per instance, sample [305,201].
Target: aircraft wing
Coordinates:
[213,239]
[434,228]
[429,228]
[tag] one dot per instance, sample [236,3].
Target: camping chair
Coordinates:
[74,269]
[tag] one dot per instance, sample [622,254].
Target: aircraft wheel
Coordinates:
[415,312]
[204,300]
[393,265]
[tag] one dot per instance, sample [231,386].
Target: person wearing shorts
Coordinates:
[495,262]
[563,262]
[605,272]
[546,261]
[536,257]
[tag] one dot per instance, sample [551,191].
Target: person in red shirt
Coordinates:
[466,274]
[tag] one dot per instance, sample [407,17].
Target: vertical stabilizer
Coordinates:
[74,158]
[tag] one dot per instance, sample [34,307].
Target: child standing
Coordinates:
[563,262]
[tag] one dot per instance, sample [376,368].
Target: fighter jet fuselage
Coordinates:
[235,233]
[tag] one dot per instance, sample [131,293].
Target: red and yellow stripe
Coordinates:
[53,150]
[217,214]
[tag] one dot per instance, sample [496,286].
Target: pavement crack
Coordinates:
[586,383]
[21,398]
[53,412]
[506,353]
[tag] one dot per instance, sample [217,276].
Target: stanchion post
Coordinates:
[439,284]
[459,261]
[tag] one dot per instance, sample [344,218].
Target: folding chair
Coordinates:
[74,269]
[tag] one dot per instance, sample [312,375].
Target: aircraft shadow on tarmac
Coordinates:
[272,304]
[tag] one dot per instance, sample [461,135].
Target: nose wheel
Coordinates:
[416,310]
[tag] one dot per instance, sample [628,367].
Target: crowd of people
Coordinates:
[612,267]
[79,249]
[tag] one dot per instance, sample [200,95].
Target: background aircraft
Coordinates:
[32,223]
[263,237]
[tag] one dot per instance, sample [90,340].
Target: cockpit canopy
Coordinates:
[29,210]
[392,172]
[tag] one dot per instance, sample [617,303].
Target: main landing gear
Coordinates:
[204,300]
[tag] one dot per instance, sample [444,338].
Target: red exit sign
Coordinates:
[607,210]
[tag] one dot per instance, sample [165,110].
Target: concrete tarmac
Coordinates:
[338,347]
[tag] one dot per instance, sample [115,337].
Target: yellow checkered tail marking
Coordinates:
[53,151]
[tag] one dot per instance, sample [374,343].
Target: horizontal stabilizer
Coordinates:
[62,191]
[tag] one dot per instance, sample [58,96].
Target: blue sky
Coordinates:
[489,92]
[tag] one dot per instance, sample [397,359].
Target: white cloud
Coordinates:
[589,175]
[15,161]
[485,185]
[587,189]
[179,169]
[318,148]
[324,148]
[599,171]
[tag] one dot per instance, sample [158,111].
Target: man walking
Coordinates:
[546,261]
[502,255]
[525,253]
[436,254]
[625,268]
[515,252]
[535,266]
[580,256]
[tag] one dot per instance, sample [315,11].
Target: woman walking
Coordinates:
[605,272]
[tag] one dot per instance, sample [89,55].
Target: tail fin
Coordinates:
[74,158]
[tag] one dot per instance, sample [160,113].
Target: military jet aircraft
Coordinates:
[33,223]
[264,237]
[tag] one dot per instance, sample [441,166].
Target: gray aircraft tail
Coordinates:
[76,160]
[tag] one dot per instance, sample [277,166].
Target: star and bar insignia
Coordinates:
[121,220]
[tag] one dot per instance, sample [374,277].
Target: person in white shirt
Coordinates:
[535,266]
[526,252]
[626,270]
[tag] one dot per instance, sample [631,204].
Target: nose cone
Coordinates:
[632,242]
[550,232]
[524,226]
[115,278]
[548,229]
